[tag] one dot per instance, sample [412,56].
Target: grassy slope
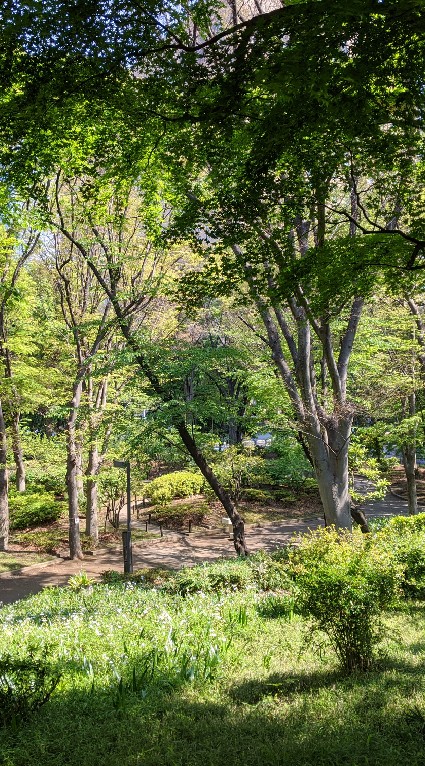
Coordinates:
[271,701]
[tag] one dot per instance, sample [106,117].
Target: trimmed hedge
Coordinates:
[33,510]
[173,485]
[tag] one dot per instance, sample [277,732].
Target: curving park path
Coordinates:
[173,551]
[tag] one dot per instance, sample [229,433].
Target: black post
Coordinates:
[128,552]
[126,535]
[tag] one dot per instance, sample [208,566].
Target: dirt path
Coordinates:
[173,551]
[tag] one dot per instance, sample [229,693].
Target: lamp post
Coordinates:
[126,535]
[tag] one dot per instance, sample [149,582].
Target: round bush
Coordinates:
[173,485]
[344,585]
[33,510]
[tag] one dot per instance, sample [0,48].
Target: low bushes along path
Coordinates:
[173,551]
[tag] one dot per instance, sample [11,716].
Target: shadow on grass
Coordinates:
[254,690]
[321,719]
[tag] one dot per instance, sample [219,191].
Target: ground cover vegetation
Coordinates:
[211,231]
[164,666]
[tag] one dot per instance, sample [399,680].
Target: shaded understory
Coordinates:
[269,698]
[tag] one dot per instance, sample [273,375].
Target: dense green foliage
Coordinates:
[345,585]
[403,539]
[34,509]
[172,485]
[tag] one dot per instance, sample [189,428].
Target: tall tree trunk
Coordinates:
[75,549]
[330,459]
[4,486]
[17,454]
[409,457]
[92,529]
[80,472]
[16,437]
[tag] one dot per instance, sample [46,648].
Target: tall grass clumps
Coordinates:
[345,585]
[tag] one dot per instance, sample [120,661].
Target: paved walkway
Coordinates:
[173,551]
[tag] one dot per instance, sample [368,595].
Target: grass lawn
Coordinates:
[154,679]
[18,559]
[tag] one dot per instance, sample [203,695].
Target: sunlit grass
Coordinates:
[153,678]
[16,560]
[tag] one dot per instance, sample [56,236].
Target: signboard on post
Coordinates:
[120,464]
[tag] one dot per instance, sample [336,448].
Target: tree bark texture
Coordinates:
[409,457]
[20,478]
[75,549]
[330,460]
[92,529]
[409,462]
[4,486]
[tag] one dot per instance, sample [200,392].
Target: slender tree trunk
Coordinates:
[234,433]
[80,472]
[17,454]
[409,462]
[237,521]
[4,486]
[409,458]
[92,529]
[75,549]
[16,437]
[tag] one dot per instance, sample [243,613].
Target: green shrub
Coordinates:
[32,510]
[402,524]
[237,471]
[25,685]
[257,496]
[40,479]
[344,585]
[289,465]
[173,485]
[403,538]
[378,523]
[269,572]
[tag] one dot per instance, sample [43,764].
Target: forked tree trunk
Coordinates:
[75,549]
[330,458]
[17,454]
[4,486]
[92,529]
